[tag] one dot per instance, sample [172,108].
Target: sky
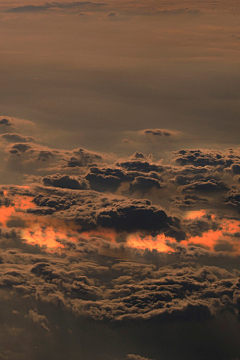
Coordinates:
[119,180]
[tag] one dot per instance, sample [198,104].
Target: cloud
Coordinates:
[158,132]
[112,257]
[5,122]
[136,357]
[181,11]
[13,138]
[105,284]
[206,185]
[32,158]
[39,319]
[112,14]
[232,197]
[30,8]
[10,125]
[144,184]
[92,210]
[52,6]
[105,179]
[108,247]
[65,181]
[204,158]
[142,166]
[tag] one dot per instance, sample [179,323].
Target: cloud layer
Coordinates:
[99,247]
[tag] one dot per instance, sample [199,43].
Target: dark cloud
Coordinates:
[30,8]
[196,227]
[139,178]
[137,165]
[106,179]
[92,210]
[206,185]
[235,168]
[158,132]
[112,14]
[82,157]
[65,181]
[144,184]
[205,158]
[135,215]
[5,122]
[52,6]
[233,197]
[190,201]
[13,138]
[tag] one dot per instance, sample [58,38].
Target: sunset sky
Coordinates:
[120,180]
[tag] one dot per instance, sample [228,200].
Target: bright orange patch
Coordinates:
[148,242]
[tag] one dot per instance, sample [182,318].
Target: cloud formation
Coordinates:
[116,246]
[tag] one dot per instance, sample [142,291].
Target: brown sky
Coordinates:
[100,74]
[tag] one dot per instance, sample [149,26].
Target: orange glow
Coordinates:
[211,238]
[49,233]
[21,204]
[5,214]
[191,215]
[148,242]
[43,231]
[42,237]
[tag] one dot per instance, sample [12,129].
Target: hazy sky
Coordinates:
[119,180]
[102,73]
